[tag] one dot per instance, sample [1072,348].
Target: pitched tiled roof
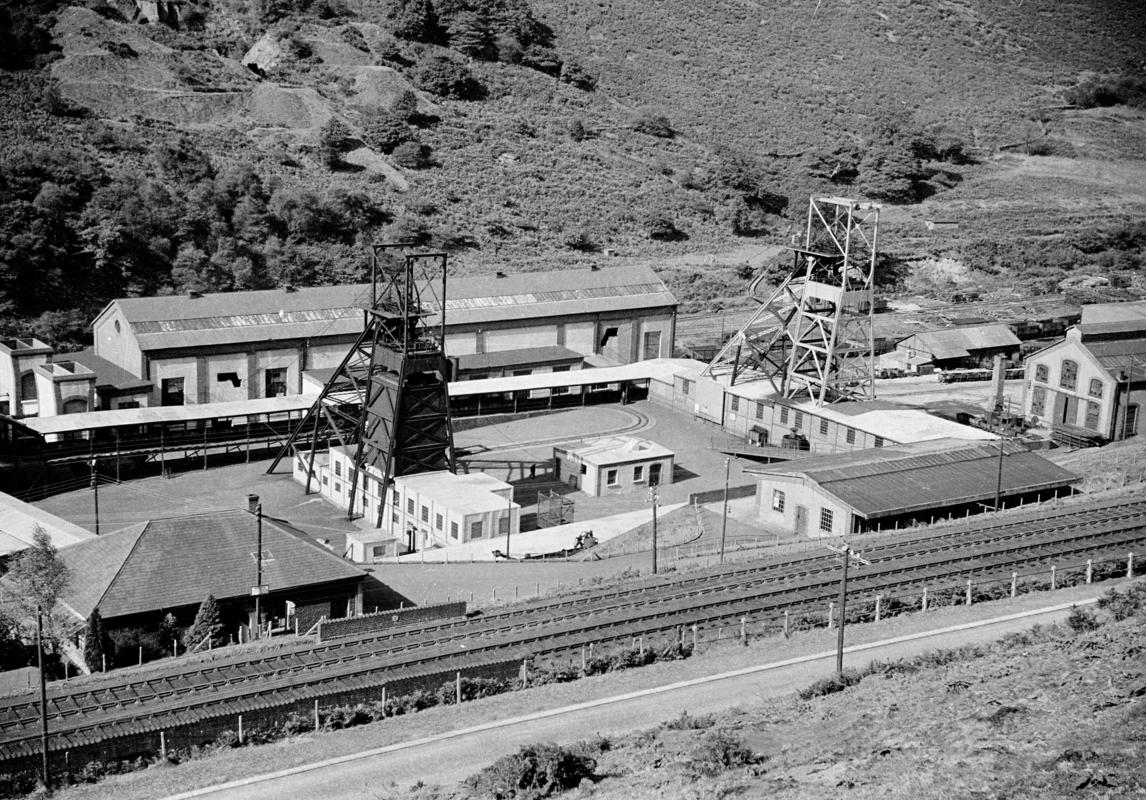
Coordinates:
[276,314]
[887,481]
[166,563]
[959,342]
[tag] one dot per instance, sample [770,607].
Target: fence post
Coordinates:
[1130,565]
[524,672]
[924,603]
[1014,583]
[384,693]
[590,651]
[694,636]
[240,729]
[785,624]
[641,644]
[1089,570]
[162,746]
[1054,582]
[458,686]
[878,606]
[317,721]
[682,641]
[584,661]
[831,615]
[743,631]
[969,590]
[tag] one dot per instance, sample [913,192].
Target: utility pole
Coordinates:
[258,590]
[999,476]
[95,491]
[653,495]
[508,522]
[848,555]
[46,775]
[724,521]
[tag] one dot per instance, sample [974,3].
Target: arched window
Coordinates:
[1069,377]
[1038,402]
[1042,373]
[1095,388]
[75,405]
[28,386]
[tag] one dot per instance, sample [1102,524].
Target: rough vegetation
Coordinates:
[262,144]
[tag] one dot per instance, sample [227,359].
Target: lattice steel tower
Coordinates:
[387,400]
[813,335]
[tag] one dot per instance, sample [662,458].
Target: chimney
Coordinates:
[252,503]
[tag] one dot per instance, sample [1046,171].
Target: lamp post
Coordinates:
[848,555]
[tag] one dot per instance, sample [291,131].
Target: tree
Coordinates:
[333,139]
[98,648]
[405,106]
[663,229]
[207,625]
[38,574]
[417,20]
[386,130]
[472,33]
[446,77]
[412,155]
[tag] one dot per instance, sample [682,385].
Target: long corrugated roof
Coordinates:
[166,563]
[1120,356]
[277,314]
[959,342]
[1100,318]
[887,481]
[526,355]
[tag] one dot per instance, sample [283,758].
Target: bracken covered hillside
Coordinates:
[224,144]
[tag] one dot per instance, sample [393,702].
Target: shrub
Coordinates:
[718,751]
[412,155]
[685,722]
[654,125]
[663,229]
[1081,620]
[582,243]
[447,78]
[1108,90]
[576,75]
[535,771]
[830,685]
[386,130]
[577,131]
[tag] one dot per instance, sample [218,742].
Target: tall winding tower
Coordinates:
[812,337]
[387,402]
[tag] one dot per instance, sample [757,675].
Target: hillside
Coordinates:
[250,144]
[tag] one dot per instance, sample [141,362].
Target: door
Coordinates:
[801,520]
[654,474]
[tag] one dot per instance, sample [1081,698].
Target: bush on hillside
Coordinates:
[1108,90]
[447,78]
[412,155]
[654,124]
[535,771]
[386,130]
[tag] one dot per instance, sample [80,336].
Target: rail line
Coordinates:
[115,703]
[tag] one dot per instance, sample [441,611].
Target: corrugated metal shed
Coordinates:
[886,482]
[961,342]
[1105,318]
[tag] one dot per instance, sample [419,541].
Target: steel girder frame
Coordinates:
[832,356]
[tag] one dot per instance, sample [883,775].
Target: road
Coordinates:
[449,757]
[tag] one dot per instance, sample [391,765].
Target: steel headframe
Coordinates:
[813,335]
[388,400]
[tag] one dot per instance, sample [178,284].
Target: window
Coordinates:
[783,415]
[685,387]
[1069,377]
[503,525]
[75,405]
[438,522]
[475,530]
[879,441]
[777,500]
[638,473]
[1095,389]
[759,411]
[409,505]
[610,333]
[823,427]
[1042,373]
[520,372]
[229,377]
[394,517]
[425,514]
[171,392]
[851,436]
[1092,409]
[584,470]
[562,368]
[734,404]
[611,477]
[651,345]
[395,499]
[276,382]
[1038,401]
[338,469]
[337,487]
[325,480]
[826,519]
[453,530]
[799,420]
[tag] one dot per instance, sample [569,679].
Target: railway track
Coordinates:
[120,701]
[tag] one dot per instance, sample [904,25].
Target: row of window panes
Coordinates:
[1069,377]
[851,432]
[827,517]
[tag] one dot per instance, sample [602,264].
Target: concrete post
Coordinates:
[1089,570]
[1054,581]
[968,591]
[694,636]
[831,615]
[641,644]
[878,604]
[785,624]
[584,659]
[318,722]
[162,746]
[743,631]
[240,729]
[924,603]
[458,687]
[1129,565]
[1014,583]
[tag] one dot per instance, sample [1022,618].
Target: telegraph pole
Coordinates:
[47,776]
[95,491]
[508,522]
[848,555]
[724,521]
[653,495]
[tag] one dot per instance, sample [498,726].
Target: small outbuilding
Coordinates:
[614,464]
[963,347]
[837,495]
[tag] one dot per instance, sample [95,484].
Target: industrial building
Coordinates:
[426,509]
[246,345]
[964,347]
[876,489]
[19,522]
[614,464]
[137,575]
[1090,387]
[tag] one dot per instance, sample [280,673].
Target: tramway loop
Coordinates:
[121,704]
